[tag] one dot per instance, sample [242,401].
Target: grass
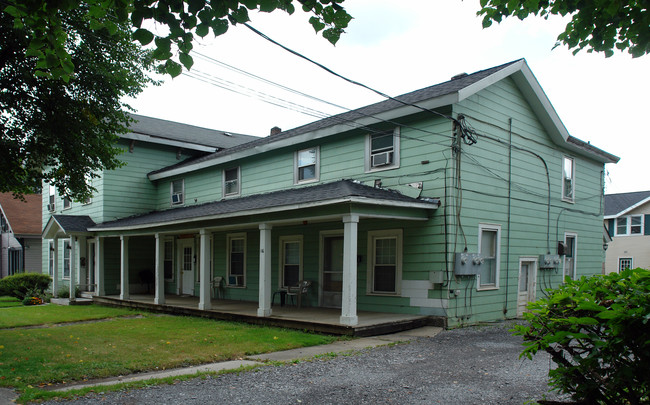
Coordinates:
[8,302]
[33,358]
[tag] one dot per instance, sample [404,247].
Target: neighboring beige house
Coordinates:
[627,219]
[20,234]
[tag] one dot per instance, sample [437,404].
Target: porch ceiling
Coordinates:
[320,202]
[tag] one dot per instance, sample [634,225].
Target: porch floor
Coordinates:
[324,320]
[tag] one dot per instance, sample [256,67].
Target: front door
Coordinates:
[332,271]
[90,273]
[186,265]
[527,284]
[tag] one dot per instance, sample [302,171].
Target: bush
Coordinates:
[597,331]
[19,285]
[64,292]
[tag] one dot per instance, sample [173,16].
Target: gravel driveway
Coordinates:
[478,365]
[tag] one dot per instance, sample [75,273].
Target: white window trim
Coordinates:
[631,259]
[573,179]
[223,183]
[171,192]
[65,244]
[628,227]
[396,149]
[230,237]
[398,235]
[497,276]
[575,255]
[296,168]
[282,241]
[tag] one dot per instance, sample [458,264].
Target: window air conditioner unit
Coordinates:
[177,198]
[50,207]
[382,159]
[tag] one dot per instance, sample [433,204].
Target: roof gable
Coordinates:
[439,95]
[24,217]
[622,203]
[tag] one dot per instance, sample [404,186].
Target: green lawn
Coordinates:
[8,302]
[35,357]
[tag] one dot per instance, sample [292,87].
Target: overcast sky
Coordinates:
[401,46]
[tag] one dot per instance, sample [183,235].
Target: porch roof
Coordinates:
[342,191]
[62,225]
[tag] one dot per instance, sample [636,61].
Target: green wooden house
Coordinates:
[461,200]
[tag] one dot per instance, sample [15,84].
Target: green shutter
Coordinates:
[646,224]
[611,227]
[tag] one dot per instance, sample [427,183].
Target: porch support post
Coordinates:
[124,267]
[206,272]
[55,268]
[265,271]
[349,300]
[159,297]
[73,268]
[99,266]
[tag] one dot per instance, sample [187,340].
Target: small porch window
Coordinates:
[291,261]
[168,262]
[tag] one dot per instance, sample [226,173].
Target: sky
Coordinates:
[397,47]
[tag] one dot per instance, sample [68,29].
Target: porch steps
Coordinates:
[373,328]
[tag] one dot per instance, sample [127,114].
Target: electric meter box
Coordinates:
[468,264]
[549,261]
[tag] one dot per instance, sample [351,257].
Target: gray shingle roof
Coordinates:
[615,203]
[303,195]
[176,131]
[413,97]
[74,223]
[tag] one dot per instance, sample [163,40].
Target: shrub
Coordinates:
[19,285]
[597,331]
[64,292]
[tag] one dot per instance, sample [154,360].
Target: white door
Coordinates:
[332,271]
[527,284]
[187,265]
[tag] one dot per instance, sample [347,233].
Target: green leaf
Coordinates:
[219,27]
[173,68]
[332,35]
[240,15]
[96,25]
[194,6]
[67,66]
[317,24]
[186,60]
[202,30]
[268,5]
[143,36]
[111,27]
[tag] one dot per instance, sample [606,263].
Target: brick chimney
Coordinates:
[275,131]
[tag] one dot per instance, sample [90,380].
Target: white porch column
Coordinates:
[99,266]
[206,272]
[55,268]
[73,268]
[265,271]
[124,267]
[349,302]
[159,297]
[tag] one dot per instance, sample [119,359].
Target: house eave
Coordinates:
[169,142]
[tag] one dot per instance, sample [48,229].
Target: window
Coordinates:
[382,150]
[571,241]
[51,258]
[66,259]
[236,260]
[568,179]
[624,263]
[67,203]
[177,189]
[89,183]
[630,225]
[231,182]
[15,261]
[168,261]
[4,225]
[307,165]
[51,206]
[385,261]
[489,246]
[291,261]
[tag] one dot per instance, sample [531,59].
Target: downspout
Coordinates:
[505,304]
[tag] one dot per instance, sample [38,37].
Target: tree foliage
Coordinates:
[183,20]
[598,25]
[57,131]
[597,331]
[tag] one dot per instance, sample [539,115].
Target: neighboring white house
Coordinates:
[627,219]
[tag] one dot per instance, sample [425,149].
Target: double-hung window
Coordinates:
[307,164]
[231,183]
[236,260]
[50,258]
[568,179]
[385,267]
[66,259]
[630,225]
[168,261]
[67,203]
[382,150]
[177,190]
[489,247]
[51,206]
